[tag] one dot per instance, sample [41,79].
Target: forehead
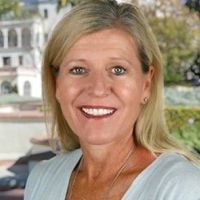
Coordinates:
[108,39]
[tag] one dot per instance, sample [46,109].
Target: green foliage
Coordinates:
[63,3]
[184,124]
[74,2]
[175,40]
[193,5]
[11,10]
[177,33]
[7,6]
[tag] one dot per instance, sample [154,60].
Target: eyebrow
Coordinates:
[120,59]
[74,60]
[83,60]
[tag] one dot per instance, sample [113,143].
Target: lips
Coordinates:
[97,111]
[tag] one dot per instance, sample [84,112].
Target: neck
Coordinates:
[105,159]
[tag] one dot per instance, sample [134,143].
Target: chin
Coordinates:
[96,140]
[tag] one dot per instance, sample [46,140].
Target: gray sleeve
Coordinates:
[184,185]
[33,182]
[49,179]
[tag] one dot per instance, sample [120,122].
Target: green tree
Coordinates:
[193,5]
[174,28]
[9,6]
[63,3]
[176,43]
[74,2]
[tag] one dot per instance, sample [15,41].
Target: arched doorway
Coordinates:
[26,37]
[12,38]
[6,87]
[27,88]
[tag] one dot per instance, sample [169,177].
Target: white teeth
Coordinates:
[97,112]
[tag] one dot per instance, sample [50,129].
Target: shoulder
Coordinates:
[56,163]
[180,177]
[177,165]
[50,170]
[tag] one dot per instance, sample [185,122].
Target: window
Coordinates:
[6,61]
[38,38]
[26,37]
[12,38]
[45,13]
[27,88]
[1,39]
[46,37]
[20,60]
[6,87]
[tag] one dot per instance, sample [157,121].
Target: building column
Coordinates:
[19,37]
[5,37]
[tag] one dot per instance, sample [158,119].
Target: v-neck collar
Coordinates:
[76,157]
[143,175]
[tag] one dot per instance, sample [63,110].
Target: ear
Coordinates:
[147,85]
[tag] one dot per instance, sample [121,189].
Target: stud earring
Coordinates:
[145,100]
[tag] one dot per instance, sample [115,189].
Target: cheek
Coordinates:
[66,95]
[66,91]
[131,90]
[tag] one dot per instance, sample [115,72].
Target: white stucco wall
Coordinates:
[30,68]
[38,34]
[28,59]
[33,77]
[32,54]
[15,137]
[52,14]
[40,27]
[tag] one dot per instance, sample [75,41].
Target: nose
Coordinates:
[99,85]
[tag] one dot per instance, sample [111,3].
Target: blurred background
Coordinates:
[24,29]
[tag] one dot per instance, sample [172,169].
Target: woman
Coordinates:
[102,83]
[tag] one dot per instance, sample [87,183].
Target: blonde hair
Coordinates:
[92,16]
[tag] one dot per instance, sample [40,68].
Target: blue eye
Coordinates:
[78,70]
[118,70]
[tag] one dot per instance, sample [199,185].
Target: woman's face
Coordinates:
[101,87]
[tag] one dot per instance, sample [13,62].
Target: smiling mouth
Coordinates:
[97,112]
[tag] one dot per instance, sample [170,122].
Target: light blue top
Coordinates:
[169,177]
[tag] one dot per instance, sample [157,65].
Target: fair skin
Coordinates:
[101,89]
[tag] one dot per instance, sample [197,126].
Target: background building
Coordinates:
[21,45]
